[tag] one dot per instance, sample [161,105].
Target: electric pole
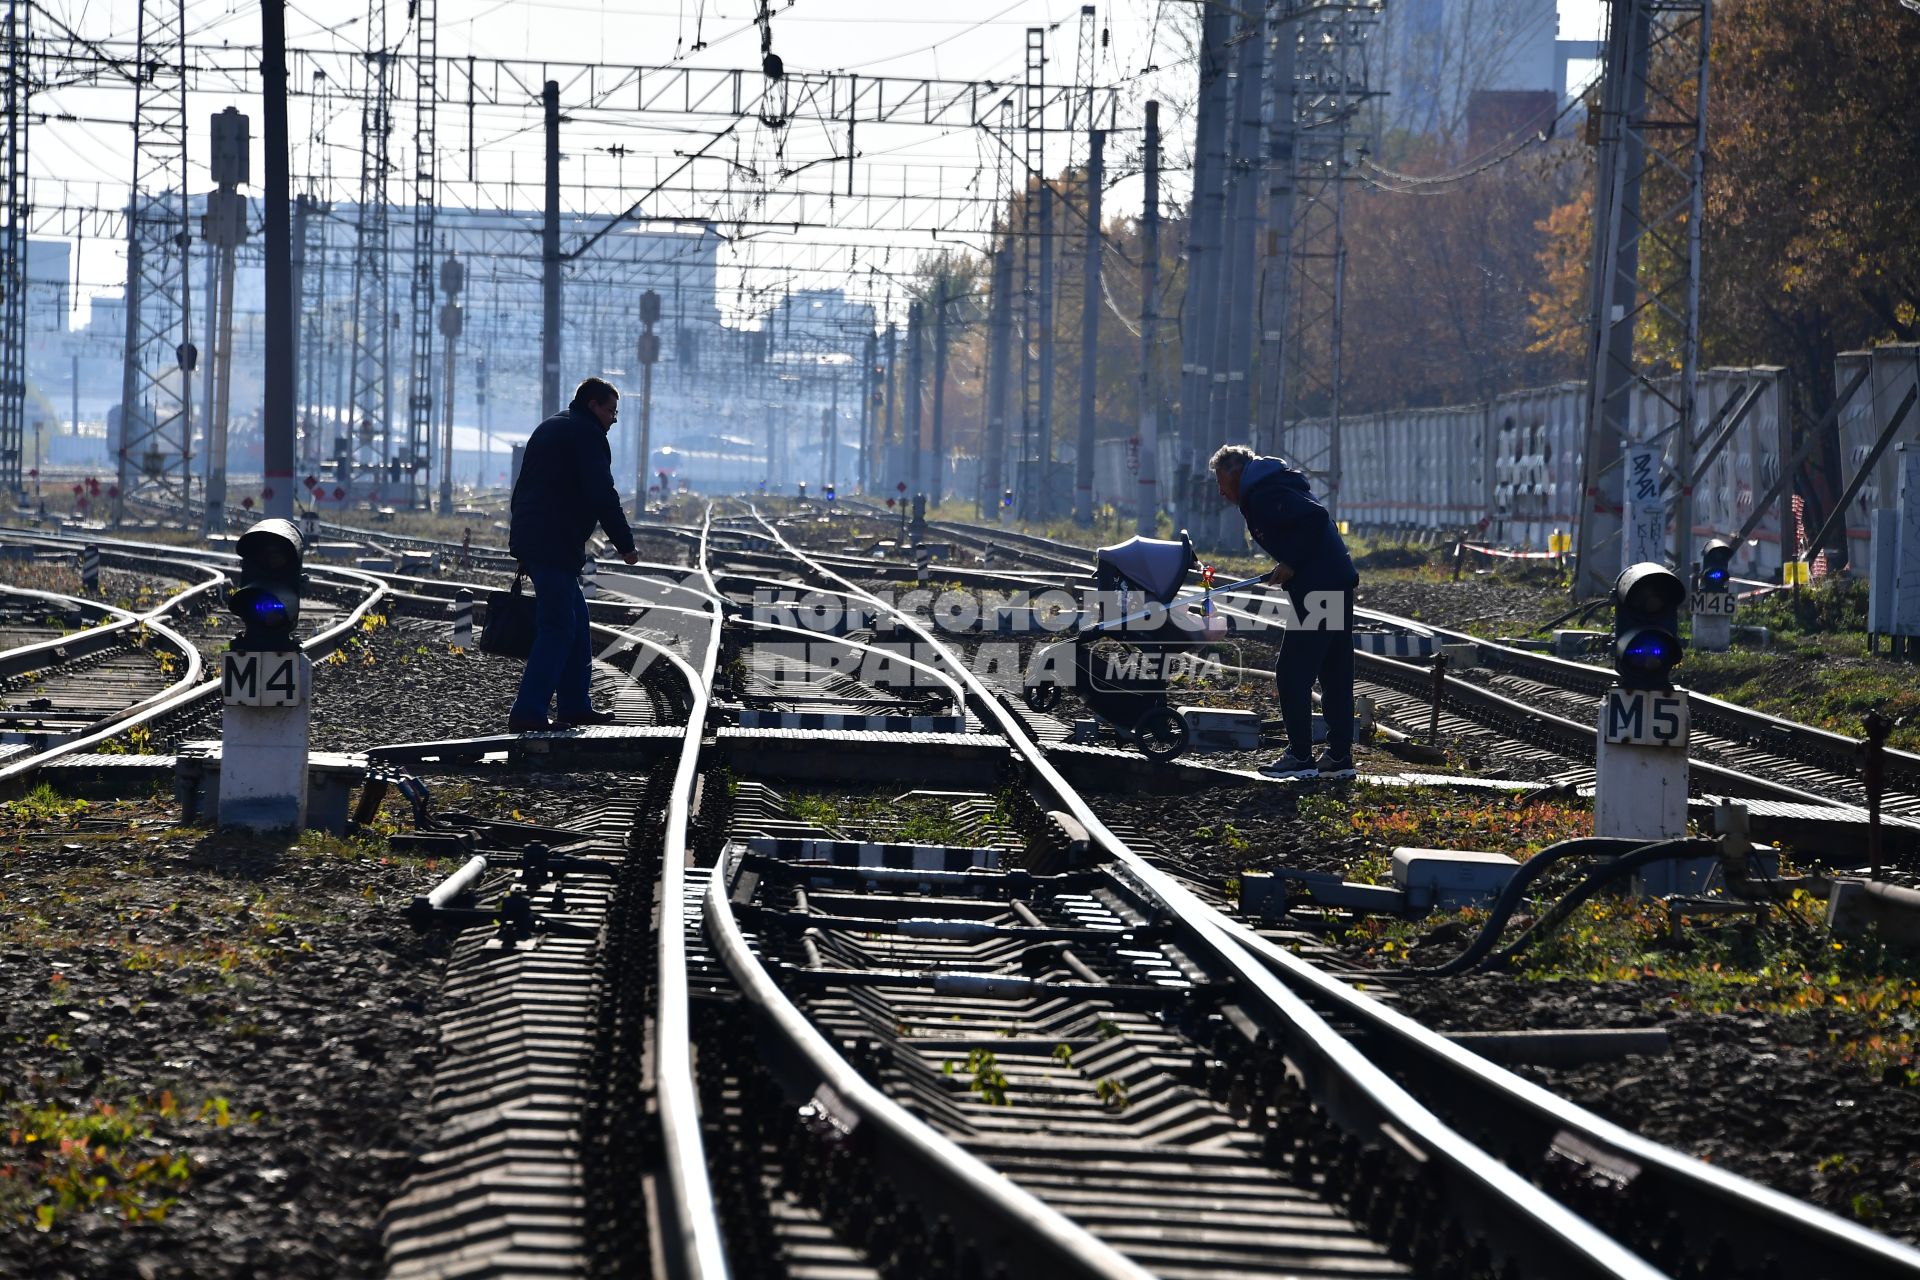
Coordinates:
[1089,333]
[280,392]
[1044,503]
[1200,308]
[1228,419]
[886,439]
[453,277]
[1643,129]
[1146,517]
[551,400]
[915,339]
[999,366]
[223,227]
[940,300]
[650,356]
[869,356]
[1276,274]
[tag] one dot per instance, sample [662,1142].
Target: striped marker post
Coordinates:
[90,569]
[463,619]
[590,578]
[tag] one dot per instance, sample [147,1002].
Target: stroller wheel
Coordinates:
[1162,734]
[1041,697]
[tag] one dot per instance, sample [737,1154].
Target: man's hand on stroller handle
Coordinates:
[1281,572]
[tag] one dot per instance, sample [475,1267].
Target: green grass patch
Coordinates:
[121,1158]
[1830,686]
[1787,965]
[43,806]
[1385,818]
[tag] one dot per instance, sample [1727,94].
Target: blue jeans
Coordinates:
[562,655]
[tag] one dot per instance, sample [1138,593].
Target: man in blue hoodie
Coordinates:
[565,488]
[1292,526]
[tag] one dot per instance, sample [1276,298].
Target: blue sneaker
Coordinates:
[1332,766]
[1287,767]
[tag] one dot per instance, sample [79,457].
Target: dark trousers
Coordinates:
[562,657]
[1323,654]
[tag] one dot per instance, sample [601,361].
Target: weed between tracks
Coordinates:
[93,1158]
[910,820]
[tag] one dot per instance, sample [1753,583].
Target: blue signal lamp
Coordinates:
[1646,626]
[259,608]
[1716,566]
[267,597]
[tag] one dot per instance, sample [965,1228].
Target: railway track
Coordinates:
[1026,1050]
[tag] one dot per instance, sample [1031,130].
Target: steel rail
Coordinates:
[1755,1222]
[697,1250]
[1569,736]
[1514,1218]
[956,696]
[1755,726]
[96,639]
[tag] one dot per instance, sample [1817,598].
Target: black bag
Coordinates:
[510,626]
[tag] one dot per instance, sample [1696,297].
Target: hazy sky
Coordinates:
[86,160]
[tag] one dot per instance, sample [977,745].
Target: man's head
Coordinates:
[600,399]
[1227,463]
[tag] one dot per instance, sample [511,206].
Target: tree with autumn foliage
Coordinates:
[1812,237]
[1441,273]
[1811,244]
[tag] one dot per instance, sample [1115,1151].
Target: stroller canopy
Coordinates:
[1156,566]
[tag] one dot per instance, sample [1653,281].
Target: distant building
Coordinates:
[49,270]
[818,320]
[1434,56]
[107,318]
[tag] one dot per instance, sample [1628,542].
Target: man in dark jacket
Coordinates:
[1292,526]
[565,488]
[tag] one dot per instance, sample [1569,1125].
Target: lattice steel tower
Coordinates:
[419,447]
[1330,89]
[371,426]
[155,449]
[1036,396]
[13,247]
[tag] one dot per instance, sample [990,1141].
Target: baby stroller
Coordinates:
[1119,669]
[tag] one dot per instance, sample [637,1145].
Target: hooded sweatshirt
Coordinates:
[1291,525]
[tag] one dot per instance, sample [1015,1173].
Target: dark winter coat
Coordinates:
[565,488]
[1292,526]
